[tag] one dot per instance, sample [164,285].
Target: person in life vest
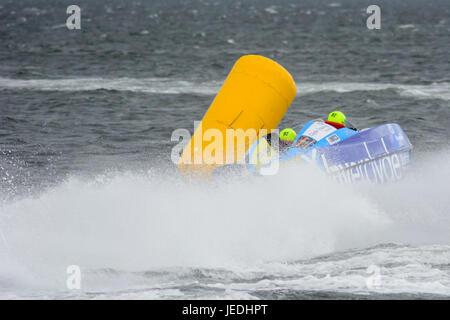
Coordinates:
[338,120]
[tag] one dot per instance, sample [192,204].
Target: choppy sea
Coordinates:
[86,118]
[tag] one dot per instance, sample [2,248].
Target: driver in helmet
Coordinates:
[338,120]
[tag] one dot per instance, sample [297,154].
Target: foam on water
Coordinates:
[135,222]
[180,86]
[146,85]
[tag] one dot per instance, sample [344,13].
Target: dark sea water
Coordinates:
[86,118]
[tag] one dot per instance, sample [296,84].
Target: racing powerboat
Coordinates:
[376,154]
[254,98]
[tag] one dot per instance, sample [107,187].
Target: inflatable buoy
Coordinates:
[255,96]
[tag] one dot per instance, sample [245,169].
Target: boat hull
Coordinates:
[379,154]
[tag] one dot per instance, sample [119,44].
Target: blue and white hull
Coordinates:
[379,154]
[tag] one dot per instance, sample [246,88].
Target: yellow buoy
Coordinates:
[256,95]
